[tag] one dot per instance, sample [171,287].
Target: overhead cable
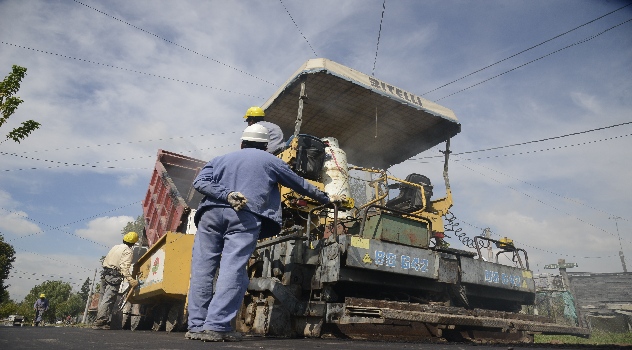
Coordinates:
[41,277]
[551,192]
[58,228]
[523,51]
[537,59]
[171,42]
[130,142]
[540,249]
[128,70]
[528,142]
[65,263]
[547,149]
[379,33]
[540,201]
[92,165]
[299,29]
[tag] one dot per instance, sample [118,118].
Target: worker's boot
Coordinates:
[193,335]
[100,325]
[232,336]
[208,335]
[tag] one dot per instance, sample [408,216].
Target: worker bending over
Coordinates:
[242,203]
[115,267]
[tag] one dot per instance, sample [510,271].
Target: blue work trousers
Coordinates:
[225,239]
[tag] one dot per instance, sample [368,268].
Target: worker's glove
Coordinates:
[342,200]
[337,198]
[133,283]
[237,200]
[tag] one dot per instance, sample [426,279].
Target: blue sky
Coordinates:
[112,82]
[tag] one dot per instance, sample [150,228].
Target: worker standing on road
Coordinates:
[115,267]
[242,202]
[256,115]
[40,306]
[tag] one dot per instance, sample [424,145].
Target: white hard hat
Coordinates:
[256,133]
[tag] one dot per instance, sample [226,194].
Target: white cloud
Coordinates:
[14,222]
[128,180]
[101,126]
[106,230]
[587,102]
[31,269]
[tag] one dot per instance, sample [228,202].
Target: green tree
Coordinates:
[73,306]
[7,257]
[85,290]
[7,306]
[9,103]
[57,293]
[137,226]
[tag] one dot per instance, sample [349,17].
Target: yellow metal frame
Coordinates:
[164,270]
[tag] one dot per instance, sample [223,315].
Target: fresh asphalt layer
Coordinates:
[48,338]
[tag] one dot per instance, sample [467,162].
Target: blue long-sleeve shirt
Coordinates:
[41,304]
[255,174]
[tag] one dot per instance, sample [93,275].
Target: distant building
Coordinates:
[600,301]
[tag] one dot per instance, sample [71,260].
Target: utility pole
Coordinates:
[85,311]
[562,265]
[490,253]
[615,218]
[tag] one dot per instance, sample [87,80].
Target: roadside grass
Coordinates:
[596,338]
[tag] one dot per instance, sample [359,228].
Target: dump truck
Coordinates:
[376,265]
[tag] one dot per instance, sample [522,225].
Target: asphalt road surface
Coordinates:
[48,338]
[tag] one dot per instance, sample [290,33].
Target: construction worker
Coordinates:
[242,203]
[255,115]
[115,267]
[40,306]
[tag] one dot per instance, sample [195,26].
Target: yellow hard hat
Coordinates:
[42,295]
[255,112]
[130,237]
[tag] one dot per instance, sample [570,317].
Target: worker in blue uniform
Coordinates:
[256,115]
[242,203]
[40,306]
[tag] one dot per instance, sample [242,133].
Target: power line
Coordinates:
[540,201]
[66,263]
[91,165]
[297,28]
[171,42]
[540,249]
[68,224]
[523,51]
[551,192]
[546,149]
[128,70]
[379,33]
[529,152]
[41,277]
[529,142]
[548,138]
[131,142]
[537,59]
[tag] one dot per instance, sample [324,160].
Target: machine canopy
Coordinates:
[377,124]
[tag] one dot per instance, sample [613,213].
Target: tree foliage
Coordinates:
[72,306]
[9,104]
[137,226]
[57,292]
[85,290]
[7,257]
[61,302]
